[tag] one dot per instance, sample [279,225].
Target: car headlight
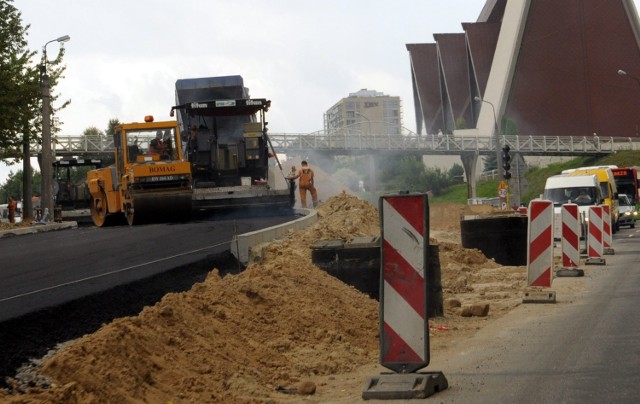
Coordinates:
[627,213]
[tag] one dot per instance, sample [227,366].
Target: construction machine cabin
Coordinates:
[227,145]
[149,180]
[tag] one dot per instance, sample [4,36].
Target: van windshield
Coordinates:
[604,188]
[578,195]
[624,200]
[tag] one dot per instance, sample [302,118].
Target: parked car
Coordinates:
[627,212]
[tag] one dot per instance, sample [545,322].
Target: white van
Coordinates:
[583,190]
[607,187]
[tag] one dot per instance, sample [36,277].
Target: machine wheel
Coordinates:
[99,209]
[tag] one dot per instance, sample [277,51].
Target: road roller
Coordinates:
[149,181]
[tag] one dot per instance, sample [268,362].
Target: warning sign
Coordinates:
[404,339]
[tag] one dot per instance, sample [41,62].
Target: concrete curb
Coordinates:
[243,245]
[37,228]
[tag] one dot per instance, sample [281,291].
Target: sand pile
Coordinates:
[277,324]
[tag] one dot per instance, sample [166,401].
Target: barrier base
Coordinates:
[539,296]
[397,386]
[568,272]
[595,261]
[609,251]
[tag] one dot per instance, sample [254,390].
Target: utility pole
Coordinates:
[46,200]
[27,207]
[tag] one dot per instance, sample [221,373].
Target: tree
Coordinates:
[111,128]
[490,162]
[456,174]
[19,91]
[20,94]
[13,186]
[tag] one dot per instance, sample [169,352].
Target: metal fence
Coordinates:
[353,143]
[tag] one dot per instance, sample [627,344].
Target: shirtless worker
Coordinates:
[305,174]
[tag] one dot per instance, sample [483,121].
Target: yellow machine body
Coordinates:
[148,181]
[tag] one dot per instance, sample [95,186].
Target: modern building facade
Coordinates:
[365,112]
[533,67]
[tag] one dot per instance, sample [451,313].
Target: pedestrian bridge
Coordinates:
[468,147]
[337,143]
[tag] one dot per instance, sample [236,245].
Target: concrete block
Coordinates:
[595,261]
[569,272]
[396,386]
[539,296]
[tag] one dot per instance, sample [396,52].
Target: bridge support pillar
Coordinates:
[469,163]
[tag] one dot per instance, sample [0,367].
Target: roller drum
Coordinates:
[154,207]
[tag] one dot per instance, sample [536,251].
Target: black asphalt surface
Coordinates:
[46,269]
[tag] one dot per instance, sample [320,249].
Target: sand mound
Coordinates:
[280,322]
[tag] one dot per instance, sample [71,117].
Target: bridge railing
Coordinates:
[449,144]
[343,142]
[81,144]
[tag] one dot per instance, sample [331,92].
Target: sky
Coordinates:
[124,57]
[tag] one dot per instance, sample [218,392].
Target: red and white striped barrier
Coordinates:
[570,235]
[607,238]
[404,339]
[595,247]
[540,243]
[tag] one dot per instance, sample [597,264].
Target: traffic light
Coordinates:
[506,162]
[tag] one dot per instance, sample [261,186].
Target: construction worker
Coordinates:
[157,146]
[12,205]
[305,183]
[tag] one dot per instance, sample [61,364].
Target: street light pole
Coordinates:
[624,73]
[46,199]
[367,119]
[497,135]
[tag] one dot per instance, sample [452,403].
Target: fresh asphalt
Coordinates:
[44,269]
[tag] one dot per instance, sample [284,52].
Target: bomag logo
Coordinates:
[162,169]
[198,105]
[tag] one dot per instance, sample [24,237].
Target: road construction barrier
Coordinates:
[404,325]
[404,335]
[607,239]
[595,247]
[570,235]
[540,243]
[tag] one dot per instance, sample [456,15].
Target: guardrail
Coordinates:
[354,143]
